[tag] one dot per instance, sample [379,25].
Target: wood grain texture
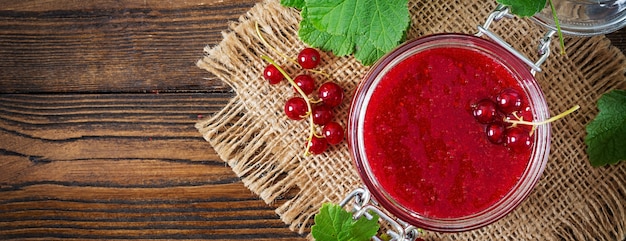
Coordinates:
[110,46]
[98,101]
[97,105]
[111,166]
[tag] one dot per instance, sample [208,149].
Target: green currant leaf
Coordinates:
[340,45]
[387,24]
[337,17]
[366,52]
[364,229]
[606,134]
[524,8]
[333,223]
[299,4]
[376,26]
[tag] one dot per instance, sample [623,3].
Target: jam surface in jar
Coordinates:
[422,142]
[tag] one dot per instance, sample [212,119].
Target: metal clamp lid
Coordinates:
[362,205]
[502,11]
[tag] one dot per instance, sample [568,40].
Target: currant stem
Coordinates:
[558,27]
[319,72]
[304,96]
[314,101]
[554,118]
[258,32]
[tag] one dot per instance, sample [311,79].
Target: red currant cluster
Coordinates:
[496,115]
[318,110]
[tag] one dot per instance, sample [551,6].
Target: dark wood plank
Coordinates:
[110,46]
[618,39]
[110,166]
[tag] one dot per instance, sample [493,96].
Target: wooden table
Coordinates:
[98,101]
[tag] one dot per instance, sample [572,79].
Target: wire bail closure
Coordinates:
[362,205]
[502,11]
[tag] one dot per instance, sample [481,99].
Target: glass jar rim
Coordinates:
[591,17]
[503,206]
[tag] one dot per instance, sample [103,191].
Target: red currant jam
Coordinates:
[419,142]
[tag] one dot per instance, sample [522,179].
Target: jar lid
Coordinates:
[585,17]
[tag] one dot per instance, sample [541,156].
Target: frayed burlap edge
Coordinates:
[252,133]
[572,201]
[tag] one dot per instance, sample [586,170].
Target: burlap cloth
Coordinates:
[572,201]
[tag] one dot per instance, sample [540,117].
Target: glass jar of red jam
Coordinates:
[419,150]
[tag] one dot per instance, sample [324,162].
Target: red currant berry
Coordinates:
[495,133]
[322,115]
[306,83]
[317,145]
[485,111]
[518,139]
[331,94]
[296,108]
[333,132]
[308,58]
[526,114]
[509,100]
[272,74]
